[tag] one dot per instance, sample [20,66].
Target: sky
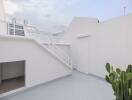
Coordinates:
[56,15]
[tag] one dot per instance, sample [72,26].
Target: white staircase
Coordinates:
[50,46]
[35,34]
[59,53]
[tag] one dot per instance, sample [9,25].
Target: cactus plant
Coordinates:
[121,82]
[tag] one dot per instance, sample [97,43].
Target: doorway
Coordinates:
[12,76]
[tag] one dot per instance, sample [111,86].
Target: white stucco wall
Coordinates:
[79,26]
[108,41]
[41,66]
[82,53]
[3,28]
[1,10]
[111,42]
[61,48]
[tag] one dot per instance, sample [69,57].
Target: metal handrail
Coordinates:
[58,51]
[14,28]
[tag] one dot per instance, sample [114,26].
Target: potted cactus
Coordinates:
[121,82]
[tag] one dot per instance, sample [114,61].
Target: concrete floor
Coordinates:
[76,87]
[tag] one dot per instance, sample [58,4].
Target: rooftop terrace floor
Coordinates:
[76,87]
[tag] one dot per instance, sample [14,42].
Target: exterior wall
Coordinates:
[79,26]
[108,41]
[3,28]
[81,55]
[111,43]
[41,66]
[1,10]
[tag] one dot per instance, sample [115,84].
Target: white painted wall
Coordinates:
[41,66]
[108,41]
[81,54]
[79,26]
[111,42]
[1,10]
[3,28]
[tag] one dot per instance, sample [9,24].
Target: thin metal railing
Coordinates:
[61,53]
[57,50]
[12,29]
